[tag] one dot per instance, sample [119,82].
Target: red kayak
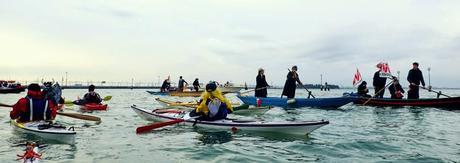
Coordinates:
[94,106]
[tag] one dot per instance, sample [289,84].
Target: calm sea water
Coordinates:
[355,134]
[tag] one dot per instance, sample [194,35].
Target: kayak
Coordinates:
[180,104]
[94,106]
[453,102]
[47,131]
[158,93]
[285,127]
[231,89]
[333,102]
[186,94]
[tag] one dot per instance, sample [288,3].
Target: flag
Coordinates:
[357,79]
[385,70]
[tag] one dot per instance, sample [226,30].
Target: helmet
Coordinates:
[211,86]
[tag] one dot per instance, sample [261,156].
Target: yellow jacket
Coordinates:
[202,107]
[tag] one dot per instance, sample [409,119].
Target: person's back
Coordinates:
[91,96]
[196,85]
[379,84]
[165,86]
[33,107]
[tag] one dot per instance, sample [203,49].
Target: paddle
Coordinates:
[72,115]
[298,80]
[430,90]
[377,93]
[70,103]
[152,126]
[241,93]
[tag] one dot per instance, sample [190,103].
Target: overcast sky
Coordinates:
[228,40]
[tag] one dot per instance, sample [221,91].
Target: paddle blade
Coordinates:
[107,98]
[80,116]
[152,126]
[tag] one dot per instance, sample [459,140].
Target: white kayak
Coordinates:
[285,127]
[43,130]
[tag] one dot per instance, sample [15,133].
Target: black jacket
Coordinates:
[261,82]
[415,76]
[379,81]
[290,85]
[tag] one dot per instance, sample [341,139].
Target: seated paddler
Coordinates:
[92,97]
[33,107]
[213,105]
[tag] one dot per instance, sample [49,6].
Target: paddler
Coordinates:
[379,83]
[362,90]
[290,85]
[213,105]
[31,153]
[181,84]
[33,107]
[396,90]
[261,85]
[90,98]
[165,86]
[415,77]
[196,85]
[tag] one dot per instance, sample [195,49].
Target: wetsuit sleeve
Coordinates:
[18,108]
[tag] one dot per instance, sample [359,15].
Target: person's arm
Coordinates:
[53,109]
[409,78]
[99,99]
[421,79]
[18,108]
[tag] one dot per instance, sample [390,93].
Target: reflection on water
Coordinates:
[213,137]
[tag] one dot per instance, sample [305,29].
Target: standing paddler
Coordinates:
[181,85]
[261,85]
[196,85]
[415,77]
[379,82]
[290,85]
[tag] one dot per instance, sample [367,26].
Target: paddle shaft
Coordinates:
[378,93]
[254,90]
[430,90]
[72,115]
[152,126]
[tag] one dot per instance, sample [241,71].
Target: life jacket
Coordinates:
[216,108]
[37,109]
[92,97]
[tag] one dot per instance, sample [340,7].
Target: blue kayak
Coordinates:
[333,102]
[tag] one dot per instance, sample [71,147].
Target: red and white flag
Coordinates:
[385,70]
[357,79]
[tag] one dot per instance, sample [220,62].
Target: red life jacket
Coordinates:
[37,109]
